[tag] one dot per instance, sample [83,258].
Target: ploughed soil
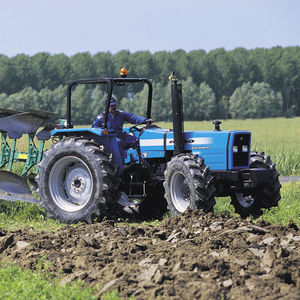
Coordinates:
[194,256]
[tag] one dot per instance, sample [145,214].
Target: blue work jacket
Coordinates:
[116,122]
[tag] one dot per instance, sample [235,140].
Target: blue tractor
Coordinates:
[170,169]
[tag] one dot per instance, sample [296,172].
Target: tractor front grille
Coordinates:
[241,150]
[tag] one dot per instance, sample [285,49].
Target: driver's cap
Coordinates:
[112,101]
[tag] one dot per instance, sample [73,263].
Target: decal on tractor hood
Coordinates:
[160,142]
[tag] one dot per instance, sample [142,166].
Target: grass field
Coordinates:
[17,284]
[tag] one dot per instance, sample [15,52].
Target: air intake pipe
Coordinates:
[176,94]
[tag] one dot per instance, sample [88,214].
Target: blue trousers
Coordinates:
[125,142]
[117,146]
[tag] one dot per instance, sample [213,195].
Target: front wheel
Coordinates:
[264,197]
[188,184]
[76,181]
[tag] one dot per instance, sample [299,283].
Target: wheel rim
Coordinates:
[245,201]
[70,183]
[180,192]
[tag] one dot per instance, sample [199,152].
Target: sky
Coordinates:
[74,26]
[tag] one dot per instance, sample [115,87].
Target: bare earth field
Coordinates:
[194,256]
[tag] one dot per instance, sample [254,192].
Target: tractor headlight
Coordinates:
[245,148]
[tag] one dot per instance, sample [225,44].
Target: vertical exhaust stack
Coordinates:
[177,110]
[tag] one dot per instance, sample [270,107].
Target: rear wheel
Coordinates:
[264,197]
[76,181]
[188,184]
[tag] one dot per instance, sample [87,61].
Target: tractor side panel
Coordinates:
[153,143]
[210,145]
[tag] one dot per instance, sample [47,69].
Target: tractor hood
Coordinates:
[222,150]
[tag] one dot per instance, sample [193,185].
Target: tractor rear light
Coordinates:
[105,131]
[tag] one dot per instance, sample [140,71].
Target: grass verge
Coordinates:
[21,215]
[17,284]
[288,207]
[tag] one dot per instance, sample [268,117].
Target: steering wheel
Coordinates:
[134,128]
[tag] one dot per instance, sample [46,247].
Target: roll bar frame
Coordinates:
[110,83]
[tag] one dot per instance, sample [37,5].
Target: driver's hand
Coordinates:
[149,121]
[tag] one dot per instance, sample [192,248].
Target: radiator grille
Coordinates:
[240,149]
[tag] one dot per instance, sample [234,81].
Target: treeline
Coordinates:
[219,84]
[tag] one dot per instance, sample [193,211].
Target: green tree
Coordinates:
[47,100]
[207,102]
[6,75]
[165,65]
[82,66]
[247,66]
[181,65]
[120,60]
[257,101]
[103,62]
[59,70]
[23,73]
[266,103]
[23,100]
[3,98]
[39,69]
[97,104]
[190,100]
[195,68]
[81,105]
[161,103]
[290,68]
[60,101]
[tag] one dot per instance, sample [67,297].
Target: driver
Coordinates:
[115,120]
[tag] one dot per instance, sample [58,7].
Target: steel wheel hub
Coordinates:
[180,192]
[70,183]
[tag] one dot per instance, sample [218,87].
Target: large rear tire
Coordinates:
[188,184]
[264,197]
[76,181]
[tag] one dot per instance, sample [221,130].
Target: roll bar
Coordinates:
[110,83]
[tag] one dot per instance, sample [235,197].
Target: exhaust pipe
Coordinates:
[176,94]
